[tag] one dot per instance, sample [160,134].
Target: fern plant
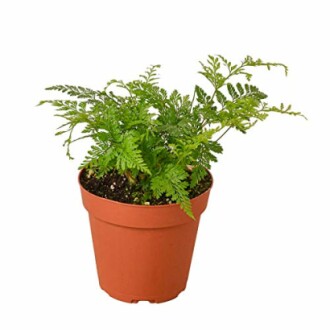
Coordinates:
[159,140]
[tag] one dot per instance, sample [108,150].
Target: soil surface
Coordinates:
[118,188]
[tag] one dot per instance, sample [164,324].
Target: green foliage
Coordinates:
[163,142]
[172,181]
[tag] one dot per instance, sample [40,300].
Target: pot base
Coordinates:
[135,299]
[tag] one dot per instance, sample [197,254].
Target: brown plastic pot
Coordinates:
[142,252]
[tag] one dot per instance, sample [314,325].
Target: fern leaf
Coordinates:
[201,94]
[78,91]
[150,75]
[197,174]
[172,182]
[240,88]
[129,156]
[232,92]
[283,110]
[221,98]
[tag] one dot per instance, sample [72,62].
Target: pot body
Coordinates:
[142,252]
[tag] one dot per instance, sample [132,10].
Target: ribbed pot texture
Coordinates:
[142,252]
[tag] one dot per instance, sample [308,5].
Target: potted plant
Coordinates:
[145,180]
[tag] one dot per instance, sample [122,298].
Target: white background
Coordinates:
[262,254]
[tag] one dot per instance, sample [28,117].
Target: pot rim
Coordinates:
[143,206]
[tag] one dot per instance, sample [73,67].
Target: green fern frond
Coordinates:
[78,91]
[128,156]
[150,76]
[284,110]
[232,92]
[197,174]
[172,182]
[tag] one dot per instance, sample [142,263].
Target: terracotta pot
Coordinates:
[142,252]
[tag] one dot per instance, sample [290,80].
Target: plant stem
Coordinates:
[193,100]
[223,134]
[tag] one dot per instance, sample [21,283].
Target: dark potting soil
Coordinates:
[118,188]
